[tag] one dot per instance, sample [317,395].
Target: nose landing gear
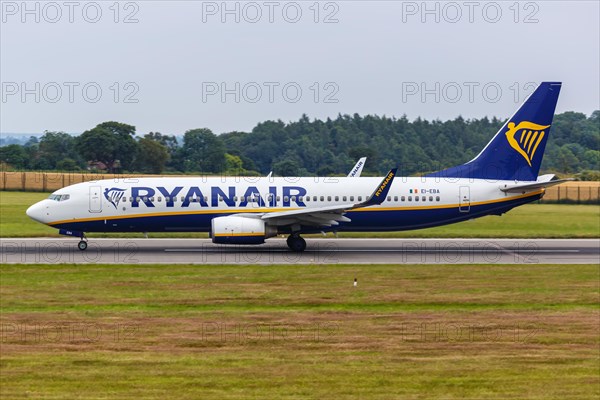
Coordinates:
[82,245]
[296,243]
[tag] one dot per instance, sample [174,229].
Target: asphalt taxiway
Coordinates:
[319,251]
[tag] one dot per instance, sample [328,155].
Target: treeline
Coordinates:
[304,147]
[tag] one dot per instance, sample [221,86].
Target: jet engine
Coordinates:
[240,230]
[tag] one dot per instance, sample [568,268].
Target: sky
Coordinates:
[171,66]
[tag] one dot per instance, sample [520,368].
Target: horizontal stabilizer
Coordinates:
[543,182]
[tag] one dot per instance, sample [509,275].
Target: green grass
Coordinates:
[299,331]
[529,221]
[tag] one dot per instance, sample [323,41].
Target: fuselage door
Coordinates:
[95,199]
[464,199]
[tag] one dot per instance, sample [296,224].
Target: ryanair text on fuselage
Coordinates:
[215,196]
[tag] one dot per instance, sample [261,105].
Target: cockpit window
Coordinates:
[59,197]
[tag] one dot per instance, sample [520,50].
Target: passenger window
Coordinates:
[328,198]
[402,198]
[314,198]
[167,199]
[351,198]
[437,198]
[359,198]
[344,198]
[300,198]
[307,198]
[416,198]
[286,199]
[409,198]
[293,198]
[424,198]
[322,198]
[389,198]
[159,199]
[278,198]
[395,198]
[430,198]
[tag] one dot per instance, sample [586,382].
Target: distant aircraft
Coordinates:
[238,210]
[357,169]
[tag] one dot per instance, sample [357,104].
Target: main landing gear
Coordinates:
[296,243]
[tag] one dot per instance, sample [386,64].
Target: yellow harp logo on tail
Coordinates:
[525,138]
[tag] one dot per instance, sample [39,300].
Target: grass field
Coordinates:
[529,221]
[298,331]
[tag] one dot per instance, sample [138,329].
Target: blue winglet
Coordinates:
[382,190]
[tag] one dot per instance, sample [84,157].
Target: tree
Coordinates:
[67,164]
[168,141]
[152,156]
[233,165]
[108,143]
[286,168]
[203,151]
[174,150]
[14,155]
[56,146]
[566,159]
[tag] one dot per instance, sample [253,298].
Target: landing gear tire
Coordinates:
[296,243]
[82,245]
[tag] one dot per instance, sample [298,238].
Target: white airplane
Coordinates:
[357,169]
[248,210]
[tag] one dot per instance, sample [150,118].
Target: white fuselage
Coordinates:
[189,203]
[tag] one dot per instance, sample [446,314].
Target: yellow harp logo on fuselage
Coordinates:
[525,138]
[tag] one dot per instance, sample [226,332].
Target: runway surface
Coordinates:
[319,251]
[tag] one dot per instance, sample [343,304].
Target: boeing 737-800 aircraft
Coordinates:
[238,210]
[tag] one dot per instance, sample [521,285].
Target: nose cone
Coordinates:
[38,212]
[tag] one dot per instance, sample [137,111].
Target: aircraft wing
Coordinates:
[542,182]
[330,215]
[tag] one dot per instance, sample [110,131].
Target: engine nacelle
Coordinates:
[240,230]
